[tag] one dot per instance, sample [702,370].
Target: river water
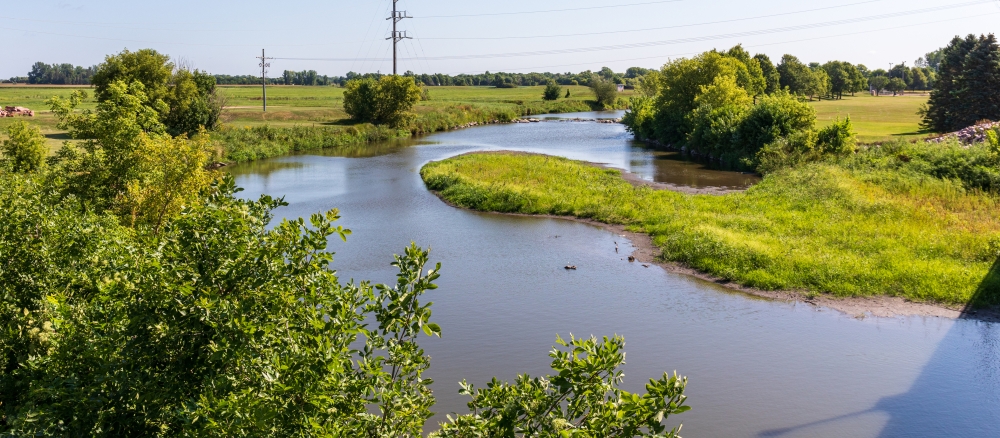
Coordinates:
[756,367]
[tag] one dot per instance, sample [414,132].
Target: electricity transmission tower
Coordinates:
[263,75]
[397,36]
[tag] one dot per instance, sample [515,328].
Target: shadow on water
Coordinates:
[933,406]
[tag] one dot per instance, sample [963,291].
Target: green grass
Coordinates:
[34,97]
[819,228]
[876,119]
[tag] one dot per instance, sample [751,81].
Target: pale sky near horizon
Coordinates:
[334,37]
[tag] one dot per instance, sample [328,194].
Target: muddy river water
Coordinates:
[756,367]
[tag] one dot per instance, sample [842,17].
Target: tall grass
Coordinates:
[254,143]
[820,227]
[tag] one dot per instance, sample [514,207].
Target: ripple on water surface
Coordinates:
[756,367]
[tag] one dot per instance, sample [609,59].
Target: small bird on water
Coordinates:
[570,268]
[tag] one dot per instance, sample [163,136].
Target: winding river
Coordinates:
[756,367]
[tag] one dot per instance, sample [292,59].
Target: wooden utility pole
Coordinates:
[263,75]
[397,36]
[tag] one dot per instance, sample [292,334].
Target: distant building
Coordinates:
[621,88]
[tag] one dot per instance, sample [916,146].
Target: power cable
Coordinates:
[367,32]
[550,10]
[659,28]
[748,46]
[682,40]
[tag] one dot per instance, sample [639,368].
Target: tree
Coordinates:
[148,67]
[841,80]
[943,112]
[552,91]
[795,76]
[24,150]
[193,103]
[978,87]
[896,85]
[771,75]
[386,101]
[605,91]
[878,83]
[636,72]
[919,81]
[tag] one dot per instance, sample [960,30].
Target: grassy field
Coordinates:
[820,228]
[875,118]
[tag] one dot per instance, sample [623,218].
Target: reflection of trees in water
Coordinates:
[264,168]
[953,396]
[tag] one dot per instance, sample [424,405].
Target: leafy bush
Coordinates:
[193,102]
[385,101]
[605,92]
[790,151]
[774,116]
[838,139]
[24,150]
[552,91]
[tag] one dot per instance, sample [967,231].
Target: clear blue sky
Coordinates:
[224,36]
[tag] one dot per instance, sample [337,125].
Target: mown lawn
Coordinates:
[819,228]
[875,118]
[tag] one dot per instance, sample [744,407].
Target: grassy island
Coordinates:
[844,229]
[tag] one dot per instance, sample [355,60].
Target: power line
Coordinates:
[680,40]
[550,10]
[748,46]
[658,28]
[397,36]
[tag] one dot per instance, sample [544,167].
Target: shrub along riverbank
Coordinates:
[878,223]
[248,143]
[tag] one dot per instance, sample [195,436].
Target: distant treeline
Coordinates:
[58,74]
[310,77]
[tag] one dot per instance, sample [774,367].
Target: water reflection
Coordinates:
[757,368]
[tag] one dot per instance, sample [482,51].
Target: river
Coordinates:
[756,367]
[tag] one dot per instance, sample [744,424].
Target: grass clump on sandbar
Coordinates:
[849,231]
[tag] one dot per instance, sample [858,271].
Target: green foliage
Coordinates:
[24,149]
[148,67]
[386,101]
[774,116]
[640,118]
[552,91]
[254,143]
[965,90]
[868,224]
[582,399]
[787,152]
[605,91]
[185,101]
[837,139]
[193,102]
[896,85]
[127,163]
[879,83]
[771,76]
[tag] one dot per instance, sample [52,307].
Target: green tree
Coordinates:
[771,75]
[795,76]
[978,88]
[552,91]
[605,91]
[774,116]
[859,83]
[385,101]
[939,114]
[878,83]
[896,85]
[24,149]
[840,77]
[148,67]
[193,103]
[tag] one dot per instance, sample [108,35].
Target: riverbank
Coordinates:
[816,234]
[255,142]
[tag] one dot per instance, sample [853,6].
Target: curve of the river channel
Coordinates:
[756,367]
